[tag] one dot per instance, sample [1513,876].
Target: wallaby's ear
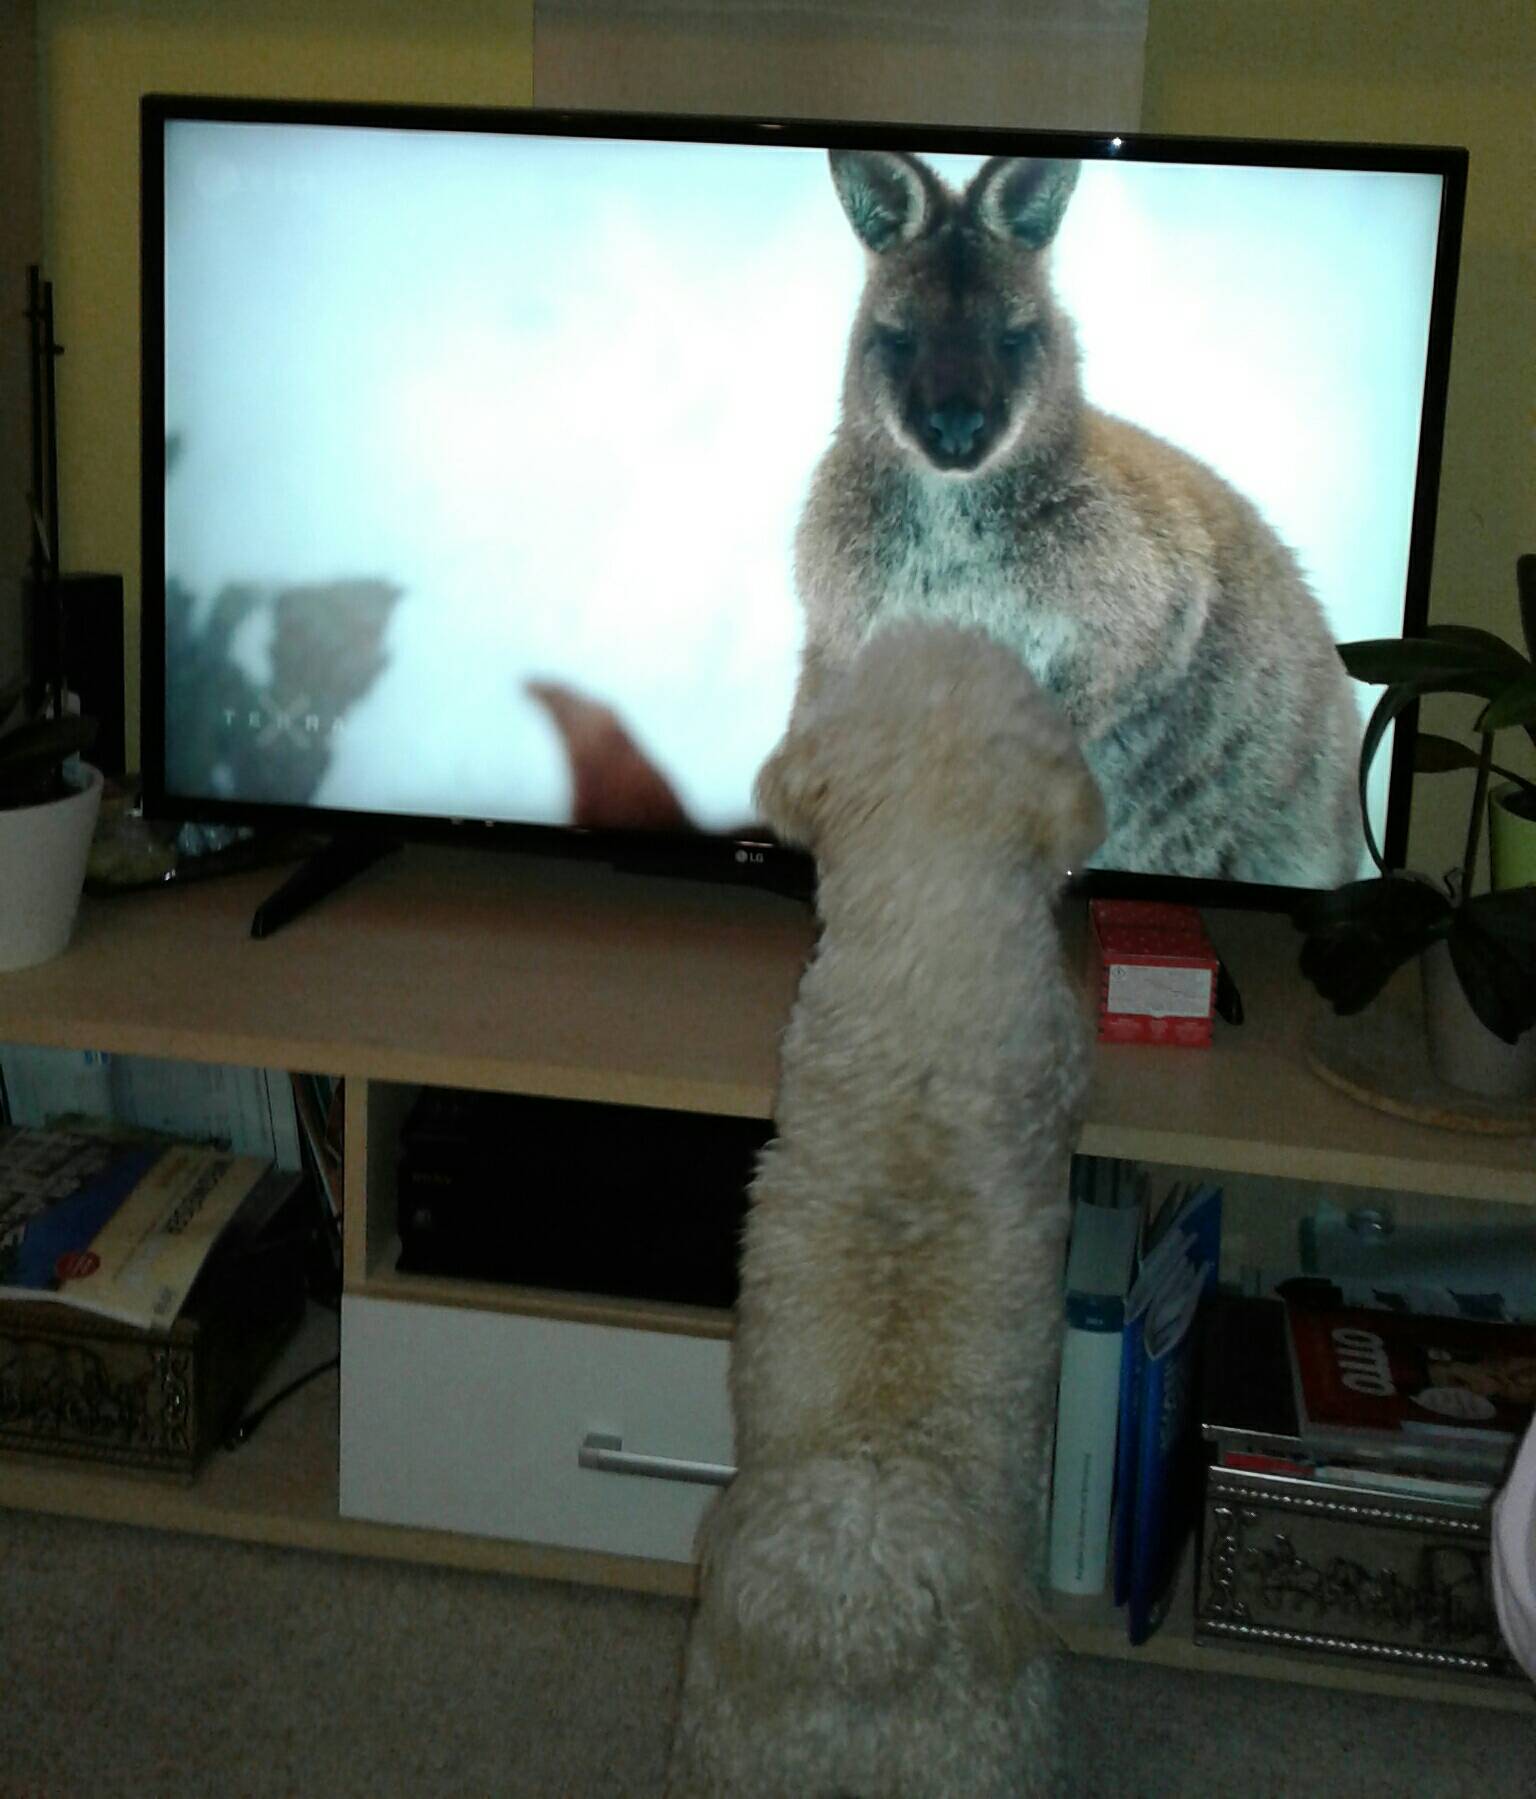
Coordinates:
[791,787]
[1022,197]
[888,197]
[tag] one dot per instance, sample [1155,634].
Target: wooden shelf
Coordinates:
[1250,1104]
[498,972]
[1094,1627]
[515,974]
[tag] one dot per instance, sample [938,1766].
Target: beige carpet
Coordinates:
[162,1666]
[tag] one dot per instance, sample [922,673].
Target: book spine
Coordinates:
[1123,1502]
[1087,1419]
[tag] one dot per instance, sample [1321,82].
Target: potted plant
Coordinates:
[1479,947]
[48,806]
[1512,805]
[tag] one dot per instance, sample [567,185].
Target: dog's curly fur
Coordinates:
[865,1624]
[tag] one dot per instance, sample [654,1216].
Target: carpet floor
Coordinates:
[168,1667]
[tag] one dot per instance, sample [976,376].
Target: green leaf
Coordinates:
[1434,754]
[1493,946]
[1392,704]
[1359,935]
[1437,755]
[1516,705]
[1500,654]
[1392,905]
[1434,665]
[1525,587]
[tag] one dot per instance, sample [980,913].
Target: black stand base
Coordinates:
[325,871]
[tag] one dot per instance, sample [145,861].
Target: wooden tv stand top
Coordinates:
[480,969]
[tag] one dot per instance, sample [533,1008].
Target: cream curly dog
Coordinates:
[865,1624]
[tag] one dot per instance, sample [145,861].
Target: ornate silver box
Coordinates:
[83,1388]
[1309,1567]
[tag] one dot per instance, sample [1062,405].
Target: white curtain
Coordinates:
[1053,63]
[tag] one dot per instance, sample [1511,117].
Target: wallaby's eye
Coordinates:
[1019,340]
[895,343]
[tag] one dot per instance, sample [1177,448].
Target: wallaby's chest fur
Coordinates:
[969,481]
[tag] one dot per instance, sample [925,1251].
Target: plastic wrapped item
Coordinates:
[1489,1268]
[1514,1556]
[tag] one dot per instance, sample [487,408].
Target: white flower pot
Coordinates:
[1463,1052]
[43,851]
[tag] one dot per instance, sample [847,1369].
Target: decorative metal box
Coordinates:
[1312,1568]
[86,1388]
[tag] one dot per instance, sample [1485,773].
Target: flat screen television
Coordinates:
[512,473]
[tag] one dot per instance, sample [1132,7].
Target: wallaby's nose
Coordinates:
[954,427]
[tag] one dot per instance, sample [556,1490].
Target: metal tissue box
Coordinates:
[1312,1568]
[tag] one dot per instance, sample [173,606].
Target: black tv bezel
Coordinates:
[758,859]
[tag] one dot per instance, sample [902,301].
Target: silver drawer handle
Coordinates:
[608,1456]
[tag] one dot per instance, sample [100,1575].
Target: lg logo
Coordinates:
[749,855]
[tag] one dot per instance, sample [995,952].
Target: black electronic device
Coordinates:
[93,660]
[625,1201]
[476,443]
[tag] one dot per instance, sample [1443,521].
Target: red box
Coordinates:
[1157,973]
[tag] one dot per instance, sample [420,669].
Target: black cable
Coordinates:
[244,1430]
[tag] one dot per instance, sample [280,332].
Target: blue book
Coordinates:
[1156,1440]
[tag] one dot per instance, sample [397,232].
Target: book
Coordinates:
[1440,1395]
[1157,1459]
[113,1222]
[1249,1414]
[1248,1393]
[1101,1260]
[1389,1480]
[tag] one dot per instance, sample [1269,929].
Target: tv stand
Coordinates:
[330,867]
[455,1432]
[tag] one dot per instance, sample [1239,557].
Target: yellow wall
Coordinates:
[1411,71]
[95,58]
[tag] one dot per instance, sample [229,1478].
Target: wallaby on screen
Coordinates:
[969,480]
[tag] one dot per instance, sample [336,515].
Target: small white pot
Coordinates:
[1511,840]
[43,852]
[1463,1052]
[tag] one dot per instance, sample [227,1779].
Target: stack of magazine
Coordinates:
[116,1222]
[1305,1384]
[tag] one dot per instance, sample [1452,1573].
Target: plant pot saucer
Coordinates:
[1380,1058]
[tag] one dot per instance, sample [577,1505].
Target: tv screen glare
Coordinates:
[530,469]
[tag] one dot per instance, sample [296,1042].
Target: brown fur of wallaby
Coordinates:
[968,481]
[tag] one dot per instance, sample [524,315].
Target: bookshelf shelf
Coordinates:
[564,979]
[1092,1627]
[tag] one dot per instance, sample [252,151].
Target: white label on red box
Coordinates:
[1159,992]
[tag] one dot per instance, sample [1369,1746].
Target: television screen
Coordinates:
[534,469]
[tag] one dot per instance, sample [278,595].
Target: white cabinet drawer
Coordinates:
[474,1421]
